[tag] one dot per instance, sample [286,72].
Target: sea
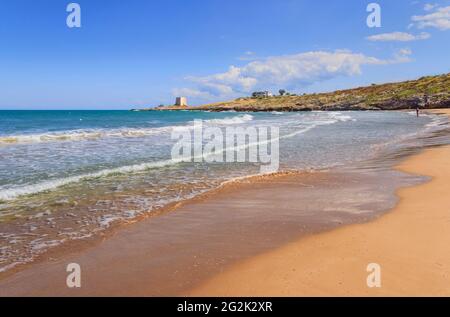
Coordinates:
[71,175]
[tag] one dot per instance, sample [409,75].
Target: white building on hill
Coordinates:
[262,94]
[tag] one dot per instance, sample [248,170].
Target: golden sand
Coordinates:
[411,244]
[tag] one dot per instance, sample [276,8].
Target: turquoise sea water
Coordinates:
[68,175]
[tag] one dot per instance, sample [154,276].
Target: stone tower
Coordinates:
[181,102]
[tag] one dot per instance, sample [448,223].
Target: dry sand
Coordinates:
[411,244]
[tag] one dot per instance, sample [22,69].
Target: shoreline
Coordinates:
[282,109]
[169,254]
[402,95]
[84,244]
[410,243]
[181,236]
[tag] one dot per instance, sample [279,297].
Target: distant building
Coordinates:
[181,102]
[262,94]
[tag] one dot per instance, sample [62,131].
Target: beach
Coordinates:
[291,234]
[224,149]
[117,167]
[410,244]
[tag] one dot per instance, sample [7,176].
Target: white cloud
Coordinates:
[439,19]
[402,56]
[429,6]
[248,56]
[225,83]
[191,92]
[398,37]
[287,71]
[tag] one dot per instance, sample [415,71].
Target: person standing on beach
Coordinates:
[417,111]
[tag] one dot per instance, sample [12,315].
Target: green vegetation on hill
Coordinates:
[427,92]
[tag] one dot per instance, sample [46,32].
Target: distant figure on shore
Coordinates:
[417,111]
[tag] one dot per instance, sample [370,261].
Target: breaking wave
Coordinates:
[302,127]
[80,135]
[231,120]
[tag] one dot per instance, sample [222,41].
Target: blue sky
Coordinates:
[140,53]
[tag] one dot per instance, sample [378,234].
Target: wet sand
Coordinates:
[174,252]
[411,244]
[239,240]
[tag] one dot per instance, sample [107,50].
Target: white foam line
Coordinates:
[231,120]
[13,193]
[79,135]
